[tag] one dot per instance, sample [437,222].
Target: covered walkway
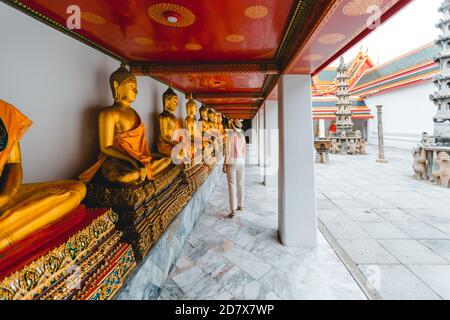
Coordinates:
[241,258]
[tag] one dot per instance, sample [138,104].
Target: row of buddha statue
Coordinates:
[124,159]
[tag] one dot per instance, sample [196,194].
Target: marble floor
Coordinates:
[395,230]
[241,258]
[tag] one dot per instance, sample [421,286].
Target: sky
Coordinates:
[411,28]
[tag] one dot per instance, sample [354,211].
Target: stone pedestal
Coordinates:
[322,150]
[144,210]
[432,163]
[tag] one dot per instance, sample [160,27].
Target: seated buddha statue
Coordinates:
[27,208]
[192,127]
[170,134]
[213,130]
[206,126]
[220,122]
[125,157]
[204,119]
[221,127]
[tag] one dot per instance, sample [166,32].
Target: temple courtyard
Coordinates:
[383,236]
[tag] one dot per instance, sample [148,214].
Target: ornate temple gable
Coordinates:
[324,83]
[411,68]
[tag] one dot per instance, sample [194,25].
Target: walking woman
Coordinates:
[234,165]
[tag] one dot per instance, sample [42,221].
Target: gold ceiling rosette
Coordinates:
[331,38]
[186,16]
[359,7]
[256,12]
[93,18]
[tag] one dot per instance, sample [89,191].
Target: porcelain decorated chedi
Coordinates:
[345,140]
[431,158]
[441,97]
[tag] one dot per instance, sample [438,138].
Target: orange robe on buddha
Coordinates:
[133,143]
[37,205]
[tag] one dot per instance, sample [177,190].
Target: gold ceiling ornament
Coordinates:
[332,38]
[93,18]
[359,7]
[235,38]
[193,47]
[313,57]
[256,12]
[143,41]
[185,17]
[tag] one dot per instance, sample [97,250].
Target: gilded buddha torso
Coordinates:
[170,120]
[125,119]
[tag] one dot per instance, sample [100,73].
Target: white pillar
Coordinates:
[296,184]
[322,132]
[254,142]
[261,135]
[271,144]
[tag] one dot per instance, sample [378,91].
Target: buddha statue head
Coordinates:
[212,115]
[123,86]
[204,112]
[191,107]
[170,100]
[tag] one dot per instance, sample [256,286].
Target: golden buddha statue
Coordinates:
[204,119]
[27,208]
[192,127]
[169,126]
[213,130]
[206,126]
[220,123]
[212,116]
[125,156]
[221,127]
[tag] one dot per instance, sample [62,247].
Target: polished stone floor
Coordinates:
[241,258]
[396,230]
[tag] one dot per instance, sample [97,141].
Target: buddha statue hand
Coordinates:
[4,199]
[142,171]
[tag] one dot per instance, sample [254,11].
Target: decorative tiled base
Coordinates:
[75,264]
[146,282]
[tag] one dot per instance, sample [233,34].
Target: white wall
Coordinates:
[407,112]
[61,85]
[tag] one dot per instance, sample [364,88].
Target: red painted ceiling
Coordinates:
[128,29]
[220,32]
[218,83]
[228,101]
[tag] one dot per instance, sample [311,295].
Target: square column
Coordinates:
[322,132]
[271,144]
[254,143]
[261,130]
[297,217]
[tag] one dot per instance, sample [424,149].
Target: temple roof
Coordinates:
[407,61]
[324,83]
[328,75]
[412,67]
